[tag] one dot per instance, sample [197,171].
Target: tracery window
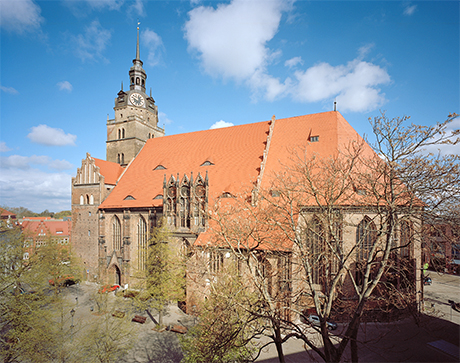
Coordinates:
[216,261]
[366,236]
[142,244]
[406,234]
[116,233]
[265,269]
[317,244]
[184,206]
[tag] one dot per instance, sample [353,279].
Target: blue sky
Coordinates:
[220,62]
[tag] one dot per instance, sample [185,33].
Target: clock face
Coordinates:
[136,99]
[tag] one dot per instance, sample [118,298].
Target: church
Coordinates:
[148,177]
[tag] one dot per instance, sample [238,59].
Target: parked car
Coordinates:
[108,288]
[427,280]
[65,280]
[314,320]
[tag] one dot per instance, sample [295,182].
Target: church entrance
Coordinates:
[115,275]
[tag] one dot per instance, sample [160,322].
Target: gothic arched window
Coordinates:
[116,233]
[82,200]
[119,134]
[142,243]
[366,236]
[317,243]
[122,158]
[91,199]
[406,238]
[122,133]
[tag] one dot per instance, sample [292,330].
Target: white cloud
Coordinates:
[354,85]
[102,4]
[409,9]
[9,90]
[65,86]
[231,42]
[45,135]
[26,162]
[154,46]
[137,7]
[35,189]
[231,39]
[91,44]
[293,62]
[20,16]
[3,147]
[220,124]
[452,134]
[163,118]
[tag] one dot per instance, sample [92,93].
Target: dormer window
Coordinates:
[314,138]
[207,163]
[226,195]
[160,167]
[159,196]
[129,197]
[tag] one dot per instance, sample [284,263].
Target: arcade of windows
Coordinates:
[185,202]
[325,264]
[138,81]
[86,199]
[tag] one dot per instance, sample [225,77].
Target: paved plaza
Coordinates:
[434,337]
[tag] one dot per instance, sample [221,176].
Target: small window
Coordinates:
[89,214]
[207,163]
[129,197]
[89,233]
[159,196]
[314,138]
[160,167]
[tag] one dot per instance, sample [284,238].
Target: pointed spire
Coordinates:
[137,45]
[122,85]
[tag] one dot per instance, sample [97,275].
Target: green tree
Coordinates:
[164,274]
[225,327]
[31,318]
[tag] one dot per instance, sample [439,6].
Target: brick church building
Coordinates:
[148,176]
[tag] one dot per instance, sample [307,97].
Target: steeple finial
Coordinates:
[137,45]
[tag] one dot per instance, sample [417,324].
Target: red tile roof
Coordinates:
[5,214]
[236,153]
[111,171]
[53,227]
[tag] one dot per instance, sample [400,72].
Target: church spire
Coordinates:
[137,44]
[137,74]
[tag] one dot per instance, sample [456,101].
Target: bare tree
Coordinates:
[349,224]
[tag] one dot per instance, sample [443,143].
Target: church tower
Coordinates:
[136,117]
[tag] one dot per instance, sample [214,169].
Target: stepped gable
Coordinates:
[231,157]
[109,170]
